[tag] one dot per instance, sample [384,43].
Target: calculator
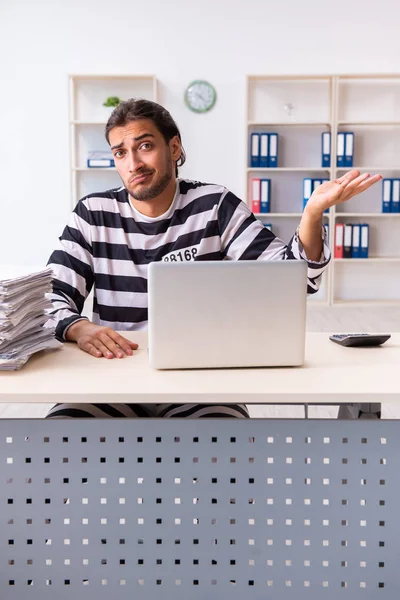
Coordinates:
[359,339]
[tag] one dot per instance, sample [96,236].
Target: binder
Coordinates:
[255,195]
[273,150]
[386,195]
[255,150]
[100,159]
[347,240]
[264,150]
[356,248]
[349,149]
[265,195]
[340,150]
[316,183]
[395,204]
[307,190]
[364,240]
[326,149]
[339,232]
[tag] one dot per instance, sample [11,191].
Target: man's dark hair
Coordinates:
[135,109]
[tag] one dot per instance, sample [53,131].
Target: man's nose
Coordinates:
[134,162]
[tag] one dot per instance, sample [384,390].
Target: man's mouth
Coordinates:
[140,178]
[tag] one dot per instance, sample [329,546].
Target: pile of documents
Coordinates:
[25,328]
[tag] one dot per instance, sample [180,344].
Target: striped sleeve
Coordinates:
[243,237]
[72,265]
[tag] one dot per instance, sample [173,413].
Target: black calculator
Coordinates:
[359,339]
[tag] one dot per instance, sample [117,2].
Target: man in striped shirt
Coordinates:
[112,236]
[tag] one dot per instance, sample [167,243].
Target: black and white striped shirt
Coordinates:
[108,245]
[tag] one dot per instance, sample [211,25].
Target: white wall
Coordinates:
[42,41]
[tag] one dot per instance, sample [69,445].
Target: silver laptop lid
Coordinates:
[227,313]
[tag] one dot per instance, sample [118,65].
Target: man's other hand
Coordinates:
[100,341]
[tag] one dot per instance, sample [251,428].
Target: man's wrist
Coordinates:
[77,328]
[313,214]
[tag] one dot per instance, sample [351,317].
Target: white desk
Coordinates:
[331,374]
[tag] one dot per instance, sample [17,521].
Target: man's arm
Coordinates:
[243,237]
[327,195]
[73,278]
[72,267]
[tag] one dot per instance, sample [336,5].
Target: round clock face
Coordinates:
[200,96]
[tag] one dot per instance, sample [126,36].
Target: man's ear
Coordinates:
[175,147]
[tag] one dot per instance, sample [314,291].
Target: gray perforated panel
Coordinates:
[208,509]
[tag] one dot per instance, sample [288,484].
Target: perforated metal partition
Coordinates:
[207,509]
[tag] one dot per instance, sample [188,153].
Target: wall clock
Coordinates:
[200,96]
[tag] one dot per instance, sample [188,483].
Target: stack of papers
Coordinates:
[25,328]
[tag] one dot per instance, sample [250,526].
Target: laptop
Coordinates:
[215,314]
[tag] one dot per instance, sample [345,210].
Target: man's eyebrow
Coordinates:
[136,139]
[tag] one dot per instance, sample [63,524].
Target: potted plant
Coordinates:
[112,101]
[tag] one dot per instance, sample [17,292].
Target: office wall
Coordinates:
[220,40]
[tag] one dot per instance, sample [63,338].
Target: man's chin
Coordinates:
[142,193]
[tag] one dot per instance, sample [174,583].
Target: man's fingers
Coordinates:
[126,345]
[348,176]
[103,348]
[361,184]
[112,346]
[90,349]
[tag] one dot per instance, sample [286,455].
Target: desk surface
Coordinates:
[330,374]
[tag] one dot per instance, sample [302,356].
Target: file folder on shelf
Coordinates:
[339,233]
[100,159]
[340,150]
[395,204]
[264,150]
[364,240]
[386,195]
[255,150]
[326,149]
[273,150]
[265,206]
[349,149]
[255,195]
[307,190]
[356,248]
[347,240]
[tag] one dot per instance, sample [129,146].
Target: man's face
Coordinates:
[145,163]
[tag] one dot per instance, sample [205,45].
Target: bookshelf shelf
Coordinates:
[288,169]
[300,108]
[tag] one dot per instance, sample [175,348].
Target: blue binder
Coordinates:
[364,240]
[255,150]
[395,204]
[386,195]
[326,149]
[356,241]
[273,150]
[307,190]
[349,149]
[264,150]
[265,185]
[340,150]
